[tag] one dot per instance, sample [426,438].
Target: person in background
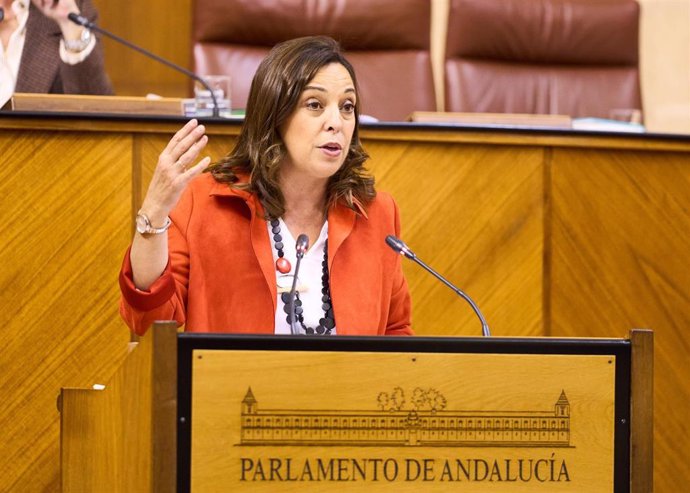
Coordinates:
[42,51]
[216,251]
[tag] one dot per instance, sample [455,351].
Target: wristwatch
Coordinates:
[78,45]
[144,226]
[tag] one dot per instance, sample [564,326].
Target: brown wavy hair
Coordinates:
[274,95]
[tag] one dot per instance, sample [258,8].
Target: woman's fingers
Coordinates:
[176,167]
[179,136]
[192,152]
[198,168]
[188,142]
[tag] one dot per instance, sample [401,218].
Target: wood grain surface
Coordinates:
[551,234]
[475,214]
[159,26]
[621,258]
[65,208]
[122,438]
[641,414]
[524,386]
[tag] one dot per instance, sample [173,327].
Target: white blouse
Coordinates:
[308,281]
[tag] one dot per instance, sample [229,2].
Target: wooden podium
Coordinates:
[209,412]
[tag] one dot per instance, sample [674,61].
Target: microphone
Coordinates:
[301,247]
[84,22]
[2,14]
[400,247]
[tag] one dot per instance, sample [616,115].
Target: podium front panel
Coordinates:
[402,414]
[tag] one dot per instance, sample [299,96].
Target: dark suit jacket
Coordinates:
[41,70]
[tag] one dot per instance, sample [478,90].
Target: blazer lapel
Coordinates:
[341,220]
[261,243]
[262,246]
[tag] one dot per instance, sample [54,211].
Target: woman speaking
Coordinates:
[215,247]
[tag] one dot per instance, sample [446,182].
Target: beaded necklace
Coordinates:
[327,322]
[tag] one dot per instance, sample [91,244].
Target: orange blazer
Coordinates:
[221,276]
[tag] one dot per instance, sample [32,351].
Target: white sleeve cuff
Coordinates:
[71,58]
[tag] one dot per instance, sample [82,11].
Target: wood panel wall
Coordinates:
[551,234]
[621,255]
[160,26]
[65,205]
[474,213]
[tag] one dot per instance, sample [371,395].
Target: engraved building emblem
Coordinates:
[423,421]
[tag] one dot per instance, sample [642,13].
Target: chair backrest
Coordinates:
[387,42]
[572,57]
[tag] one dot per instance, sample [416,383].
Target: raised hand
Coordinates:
[175,169]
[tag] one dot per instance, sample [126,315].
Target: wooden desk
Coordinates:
[551,233]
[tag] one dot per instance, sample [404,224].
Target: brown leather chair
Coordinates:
[387,41]
[572,57]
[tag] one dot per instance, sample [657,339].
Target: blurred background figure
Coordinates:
[42,51]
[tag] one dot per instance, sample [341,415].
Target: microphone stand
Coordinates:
[400,247]
[293,290]
[301,247]
[84,22]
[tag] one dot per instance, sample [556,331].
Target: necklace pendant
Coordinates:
[283,265]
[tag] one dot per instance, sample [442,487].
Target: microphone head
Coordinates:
[2,13]
[80,20]
[394,243]
[399,246]
[302,245]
